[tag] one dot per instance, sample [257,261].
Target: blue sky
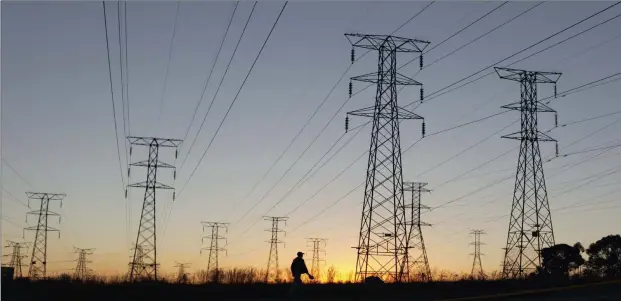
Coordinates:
[58,128]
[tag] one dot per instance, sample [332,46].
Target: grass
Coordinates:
[96,289]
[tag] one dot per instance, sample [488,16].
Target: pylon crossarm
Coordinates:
[34,228]
[540,137]
[158,164]
[538,77]
[385,78]
[156,185]
[375,42]
[540,107]
[49,196]
[37,212]
[161,142]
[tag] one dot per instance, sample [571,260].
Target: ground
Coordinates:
[454,291]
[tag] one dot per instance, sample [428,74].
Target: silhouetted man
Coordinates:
[298,267]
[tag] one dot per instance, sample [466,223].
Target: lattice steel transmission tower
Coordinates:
[214,248]
[145,265]
[38,260]
[16,261]
[319,245]
[415,265]
[477,267]
[530,223]
[82,271]
[272,262]
[182,276]
[383,234]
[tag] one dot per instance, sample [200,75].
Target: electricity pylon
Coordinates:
[477,267]
[383,233]
[416,264]
[316,258]
[530,223]
[38,260]
[145,265]
[16,257]
[82,271]
[136,260]
[272,261]
[214,248]
[182,276]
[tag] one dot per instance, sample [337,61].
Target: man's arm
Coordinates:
[306,271]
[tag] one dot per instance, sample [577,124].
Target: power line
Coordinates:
[254,187]
[170,51]
[236,95]
[306,177]
[589,119]
[485,34]
[219,86]
[521,51]
[122,75]
[465,45]
[12,222]
[591,150]
[333,117]
[568,92]
[466,149]
[463,29]
[116,132]
[15,198]
[129,131]
[200,99]
[123,101]
[16,172]
[571,166]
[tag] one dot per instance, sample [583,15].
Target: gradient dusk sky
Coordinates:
[58,129]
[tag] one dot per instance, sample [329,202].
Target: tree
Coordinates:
[561,259]
[605,257]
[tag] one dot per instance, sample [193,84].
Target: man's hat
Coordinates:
[300,253]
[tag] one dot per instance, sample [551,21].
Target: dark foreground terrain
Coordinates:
[463,290]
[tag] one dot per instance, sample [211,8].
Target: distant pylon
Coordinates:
[382,237]
[416,264]
[82,272]
[38,260]
[214,248]
[136,260]
[16,257]
[182,276]
[316,252]
[530,222]
[477,267]
[145,265]
[272,272]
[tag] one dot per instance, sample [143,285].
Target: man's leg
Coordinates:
[295,287]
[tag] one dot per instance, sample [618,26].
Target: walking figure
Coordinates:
[298,267]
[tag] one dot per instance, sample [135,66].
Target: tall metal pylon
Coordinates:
[383,232]
[38,260]
[182,276]
[477,267]
[144,266]
[416,264]
[272,272]
[16,261]
[319,245]
[530,222]
[82,271]
[214,248]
